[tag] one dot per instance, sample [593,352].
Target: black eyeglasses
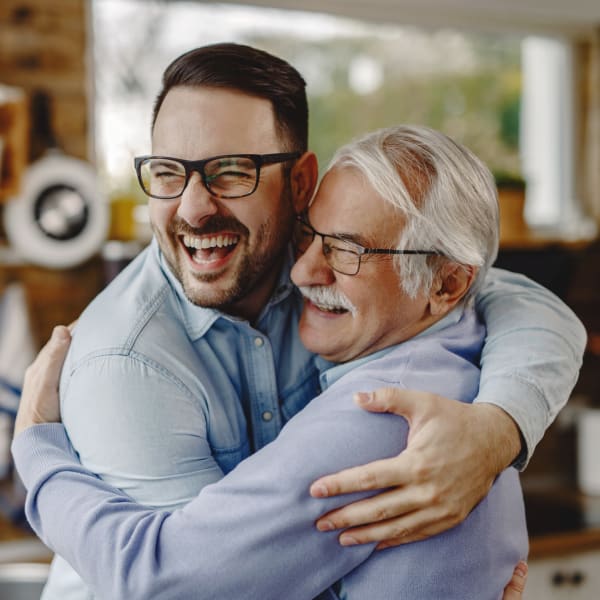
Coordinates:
[342,255]
[226,176]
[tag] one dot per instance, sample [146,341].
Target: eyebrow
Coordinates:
[351,237]
[355,238]
[162,161]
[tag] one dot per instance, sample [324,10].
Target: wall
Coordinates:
[44,48]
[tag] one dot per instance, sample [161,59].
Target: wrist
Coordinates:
[23,422]
[27,418]
[505,438]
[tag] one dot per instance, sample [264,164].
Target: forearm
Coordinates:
[254,531]
[532,355]
[258,518]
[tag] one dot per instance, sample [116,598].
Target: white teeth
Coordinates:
[205,243]
[327,299]
[335,309]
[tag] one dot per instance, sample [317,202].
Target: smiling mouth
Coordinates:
[209,248]
[336,310]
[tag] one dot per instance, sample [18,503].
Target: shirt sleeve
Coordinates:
[252,531]
[532,353]
[119,413]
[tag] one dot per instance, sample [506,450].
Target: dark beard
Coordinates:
[254,268]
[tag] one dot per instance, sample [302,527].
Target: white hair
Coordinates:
[445,194]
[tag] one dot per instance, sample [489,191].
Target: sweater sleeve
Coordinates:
[253,530]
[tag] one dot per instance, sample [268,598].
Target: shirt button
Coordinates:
[267,415]
[258,342]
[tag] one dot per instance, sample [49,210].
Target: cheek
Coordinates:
[161,213]
[373,310]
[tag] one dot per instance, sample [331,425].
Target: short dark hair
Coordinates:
[249,70]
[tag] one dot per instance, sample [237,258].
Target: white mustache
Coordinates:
[323,295]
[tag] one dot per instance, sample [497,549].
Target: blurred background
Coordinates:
[516,81]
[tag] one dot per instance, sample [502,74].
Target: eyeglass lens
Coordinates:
[227,177]
[341,256]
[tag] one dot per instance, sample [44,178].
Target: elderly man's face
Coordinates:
[382,315]
[225,252]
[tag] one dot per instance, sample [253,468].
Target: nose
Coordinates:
[311,267]
[196,202]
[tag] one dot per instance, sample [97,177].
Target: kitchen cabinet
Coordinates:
[572,577]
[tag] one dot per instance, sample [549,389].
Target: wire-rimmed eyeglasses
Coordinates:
[342,255]
[225,176]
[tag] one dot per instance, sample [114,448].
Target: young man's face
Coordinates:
[225,252]
[382,314]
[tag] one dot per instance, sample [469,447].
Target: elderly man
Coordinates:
[396,242]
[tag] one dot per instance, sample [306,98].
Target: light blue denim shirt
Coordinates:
[251,536]
[161,397]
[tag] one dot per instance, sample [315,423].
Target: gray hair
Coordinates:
[446,195]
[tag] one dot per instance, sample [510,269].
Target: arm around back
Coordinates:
[532,353]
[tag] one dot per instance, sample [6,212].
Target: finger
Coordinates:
[39,399]
[384,506]
[418,525]
[60,335]
[405,403]
[50,358]
[411,527]
[60,338]
[516,586]
[374,476]
[55,350]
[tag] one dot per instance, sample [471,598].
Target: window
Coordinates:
[359,77]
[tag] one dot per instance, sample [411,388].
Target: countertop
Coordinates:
[562,521]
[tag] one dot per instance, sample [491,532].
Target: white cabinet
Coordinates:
[572,577]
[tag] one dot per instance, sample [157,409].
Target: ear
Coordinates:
[450,285]
[303,178]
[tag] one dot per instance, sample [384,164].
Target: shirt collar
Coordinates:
[332,373]
[198,319]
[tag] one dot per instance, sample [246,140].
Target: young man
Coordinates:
[398,238]
[191,360]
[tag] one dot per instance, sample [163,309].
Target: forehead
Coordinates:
[196,122]
[346,203]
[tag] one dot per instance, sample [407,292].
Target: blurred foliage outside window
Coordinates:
[359,76]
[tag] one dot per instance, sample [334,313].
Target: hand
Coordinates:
[454,453]
[39,400]
[515,587]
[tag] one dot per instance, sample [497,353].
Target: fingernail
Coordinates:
[521,569]
[363,398]
[60,334]
[319,490]
[348,540]
[325,525]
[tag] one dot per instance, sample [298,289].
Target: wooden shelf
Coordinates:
[538,239]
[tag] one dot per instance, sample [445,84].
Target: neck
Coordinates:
[253,302]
